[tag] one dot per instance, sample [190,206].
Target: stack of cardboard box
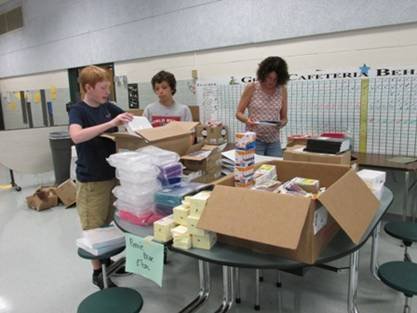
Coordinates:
[207,160]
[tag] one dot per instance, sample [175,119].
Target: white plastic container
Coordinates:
[139,209]
[134,198]
[132,161]
[140,188]
[159,156]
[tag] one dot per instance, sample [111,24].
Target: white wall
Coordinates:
[385,46]
[60,34]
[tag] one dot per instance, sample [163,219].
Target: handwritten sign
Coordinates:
[145,257]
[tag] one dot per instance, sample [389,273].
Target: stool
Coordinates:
[401,276]
[405,231]
[112,300]
[87,255]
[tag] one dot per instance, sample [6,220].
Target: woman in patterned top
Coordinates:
[266,101]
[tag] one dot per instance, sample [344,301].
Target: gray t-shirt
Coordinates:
[159,114]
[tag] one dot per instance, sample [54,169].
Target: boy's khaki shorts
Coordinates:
[95,203]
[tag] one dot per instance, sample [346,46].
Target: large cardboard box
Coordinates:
[175,136]
[297,153]
[294,227]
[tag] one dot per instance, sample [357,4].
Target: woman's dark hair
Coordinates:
[167,77]
[273,64]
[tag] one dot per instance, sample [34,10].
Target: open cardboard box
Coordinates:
[175,136]
[294,227]
[43,198]
[203,159]
[297,153]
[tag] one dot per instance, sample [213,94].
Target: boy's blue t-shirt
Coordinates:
[92,154]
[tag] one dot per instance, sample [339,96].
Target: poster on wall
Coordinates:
[133,94]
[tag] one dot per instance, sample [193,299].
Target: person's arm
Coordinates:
[79,134]
[284,107]
[243,104]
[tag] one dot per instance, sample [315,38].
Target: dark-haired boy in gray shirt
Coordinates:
[166,109]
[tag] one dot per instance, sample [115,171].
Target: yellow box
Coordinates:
[182,243]
[186,202]
[180,232]
[180,215]
[198,203]
[162,229]
[204,242]
[192,226]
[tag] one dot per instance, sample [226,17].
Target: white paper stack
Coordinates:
[101,240]
[138,123]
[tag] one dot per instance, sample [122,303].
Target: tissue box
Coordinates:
[180,215]
[308,185]
[374,179]
[192,226]
[162,229]
[180,232]
[198,203]
[204,242]
[182,243]
[264,174]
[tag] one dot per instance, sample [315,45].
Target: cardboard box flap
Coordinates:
[351,203]
[171,130]
[275,220]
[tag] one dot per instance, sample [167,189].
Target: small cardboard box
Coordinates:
[43,198]
[207,178]
[204,159]
[175,136]
[294,227]
[66,192]
[297,153]
[211,135]
[296,140]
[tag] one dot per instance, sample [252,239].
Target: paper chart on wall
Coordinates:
[379,113]
[207,100]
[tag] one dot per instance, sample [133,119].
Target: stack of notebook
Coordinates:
[101,240]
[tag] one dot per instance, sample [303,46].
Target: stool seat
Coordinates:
[87,255]
[405,231]
[401,276]
[112,300]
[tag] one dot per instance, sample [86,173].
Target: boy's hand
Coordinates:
[122,119]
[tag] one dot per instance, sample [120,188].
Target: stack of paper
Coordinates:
[138,123]
[101,240]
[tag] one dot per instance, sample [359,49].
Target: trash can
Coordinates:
[60,143]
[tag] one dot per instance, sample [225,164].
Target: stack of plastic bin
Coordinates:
[168,163]
[168,198]
[138,183]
